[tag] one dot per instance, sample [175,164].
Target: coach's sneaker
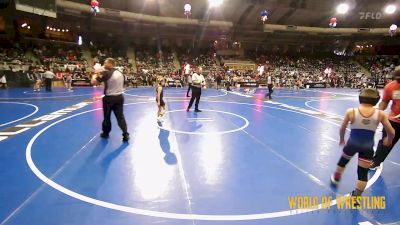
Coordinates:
[197,110]
[104,135]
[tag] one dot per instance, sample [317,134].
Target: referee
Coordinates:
[270,86]
[197,82]
[48,78]
[113,100]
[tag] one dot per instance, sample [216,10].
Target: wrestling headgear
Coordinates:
[369,96]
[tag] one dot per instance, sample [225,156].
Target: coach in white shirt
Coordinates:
[48,78]
[197,82]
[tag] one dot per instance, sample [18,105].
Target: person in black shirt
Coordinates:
[219,80]
[113,101]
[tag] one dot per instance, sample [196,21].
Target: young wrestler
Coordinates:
[68,80]
[160,100]
[363,121]
[38,82]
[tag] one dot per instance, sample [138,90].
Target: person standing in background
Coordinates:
[48,79]
[38,80]
[3,80]
[68,80]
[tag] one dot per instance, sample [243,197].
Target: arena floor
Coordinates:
[237,162]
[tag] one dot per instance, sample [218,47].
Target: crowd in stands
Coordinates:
[336,72]
[286,70]
[99,54]
[60,58]
[380,67]
[13,57]
[207,60]
[151,64]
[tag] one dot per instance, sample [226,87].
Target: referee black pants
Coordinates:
[114,104]
[382,151]
[270,91]
[47,83]
[196,94]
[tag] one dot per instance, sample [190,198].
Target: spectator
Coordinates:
[3,80]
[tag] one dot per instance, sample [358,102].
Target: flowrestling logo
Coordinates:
[371,15]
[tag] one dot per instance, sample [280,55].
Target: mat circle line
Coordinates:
[53,92]
[169,215]
[166,93]
[22,118]
[208,133]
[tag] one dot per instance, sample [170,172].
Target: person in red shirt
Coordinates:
[391,92]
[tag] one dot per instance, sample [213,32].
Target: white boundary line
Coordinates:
[50,97]
[365,223]
[53,97]
[188,98]
[334,93]
[325,112]
[169,215]
[184,183]
[36,192]
[380,127]
[208,133]
[22,118]
[283,96]
[38,93]
[394,163]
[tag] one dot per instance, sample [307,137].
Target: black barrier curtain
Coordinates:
[17,79]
